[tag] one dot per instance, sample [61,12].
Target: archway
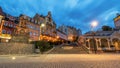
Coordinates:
[92,43]
[104,43]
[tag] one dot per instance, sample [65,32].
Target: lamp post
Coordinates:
[93,25]
[41,26]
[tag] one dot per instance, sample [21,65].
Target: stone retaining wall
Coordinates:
[16,48]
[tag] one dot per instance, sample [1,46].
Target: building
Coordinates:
[79,32]
[61,36]
[8,24]
[63,29]
[103,40]
[117,21]
[31,26]
[72,33]
[48,31]
[39,27]
[1,22]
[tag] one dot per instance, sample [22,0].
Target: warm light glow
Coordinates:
[13,58]
[57,37]
[70,38]
[7,40]
[42,25]
[94,23]
[6,36]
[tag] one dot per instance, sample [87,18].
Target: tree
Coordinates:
[106,28]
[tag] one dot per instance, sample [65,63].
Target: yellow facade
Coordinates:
[117,18]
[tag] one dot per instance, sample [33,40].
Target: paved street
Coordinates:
[61,61]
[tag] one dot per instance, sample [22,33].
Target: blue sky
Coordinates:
[77,13]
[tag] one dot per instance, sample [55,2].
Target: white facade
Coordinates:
[103,40]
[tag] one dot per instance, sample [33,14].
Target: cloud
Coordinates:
[71,3]
[77,13]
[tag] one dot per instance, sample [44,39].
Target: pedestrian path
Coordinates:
[63,61]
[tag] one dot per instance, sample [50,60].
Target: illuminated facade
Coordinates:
[48,32]
[30,26]
[72,33]
[38,27]
[7,26]
[117,21]
[61,36]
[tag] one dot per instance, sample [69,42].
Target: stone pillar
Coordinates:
[108,41]
[96,43]
[89,46]
[111,41]
[100,41]
[89,43]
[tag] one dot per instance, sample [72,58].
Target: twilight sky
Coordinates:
[77,13]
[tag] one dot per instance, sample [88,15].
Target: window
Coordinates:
[30,33]
[34,34]
[9,32]
[11,25]
[3,31]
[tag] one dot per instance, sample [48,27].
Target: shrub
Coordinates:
[42,45]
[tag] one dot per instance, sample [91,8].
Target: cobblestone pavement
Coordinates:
[61,61]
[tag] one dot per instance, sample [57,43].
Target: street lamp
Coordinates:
[93,25]
[41,26]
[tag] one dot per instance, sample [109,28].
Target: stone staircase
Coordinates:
[68,50]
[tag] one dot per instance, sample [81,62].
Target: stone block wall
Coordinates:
[16,48]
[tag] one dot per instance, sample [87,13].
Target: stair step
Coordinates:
[74,50]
